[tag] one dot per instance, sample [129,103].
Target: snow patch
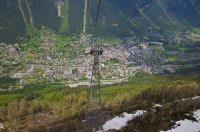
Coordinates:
[197,115]
[120,121]
[185,99]
[187,125]
[157,105]
[196,97]
[2,126]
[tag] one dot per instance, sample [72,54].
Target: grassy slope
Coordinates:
[64,27]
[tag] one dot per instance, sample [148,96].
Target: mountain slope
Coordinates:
[167,14]
[67,18]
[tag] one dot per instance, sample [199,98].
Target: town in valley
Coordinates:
[47,59]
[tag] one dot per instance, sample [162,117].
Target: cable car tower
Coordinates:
[94,110]
[94,115]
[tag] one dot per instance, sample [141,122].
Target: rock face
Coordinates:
[69,16]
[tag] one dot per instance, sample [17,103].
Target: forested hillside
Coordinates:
[57,108]
[22,18]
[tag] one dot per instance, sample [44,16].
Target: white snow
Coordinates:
[196,97]
[120,121]
[185,99]
[197,115]
[187,125]
[1,126]
[157,105]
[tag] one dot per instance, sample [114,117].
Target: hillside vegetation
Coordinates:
[55,107]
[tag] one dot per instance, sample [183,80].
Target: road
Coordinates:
[87,83]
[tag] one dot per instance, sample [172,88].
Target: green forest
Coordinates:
[21,19]
[56,107]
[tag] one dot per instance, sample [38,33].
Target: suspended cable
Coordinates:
[138,11]
[150,6]
[135,13]
[98,10]
[97,15]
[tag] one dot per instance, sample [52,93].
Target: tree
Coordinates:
[3,113]
[23,107]
[13,110]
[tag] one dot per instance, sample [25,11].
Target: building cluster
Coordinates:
[49,63]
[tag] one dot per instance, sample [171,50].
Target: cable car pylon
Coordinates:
[94,111]
[94,114]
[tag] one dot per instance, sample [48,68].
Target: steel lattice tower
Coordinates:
[94,114]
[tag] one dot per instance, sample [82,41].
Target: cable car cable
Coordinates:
[97,15]
[134,14]
[137,12]
[150,7]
